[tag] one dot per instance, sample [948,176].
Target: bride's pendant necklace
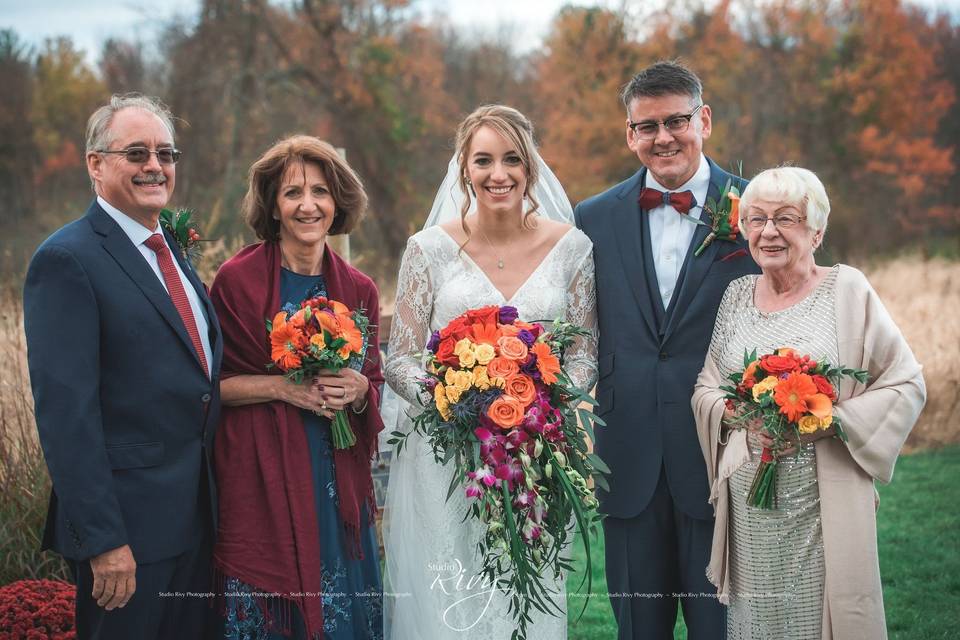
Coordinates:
[492,248]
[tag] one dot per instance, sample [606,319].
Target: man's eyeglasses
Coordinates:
[675,125]
[141,155]
[780,221]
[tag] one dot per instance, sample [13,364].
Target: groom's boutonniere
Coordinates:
[724,217]
[183,231]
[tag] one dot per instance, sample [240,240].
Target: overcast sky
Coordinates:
[90,22]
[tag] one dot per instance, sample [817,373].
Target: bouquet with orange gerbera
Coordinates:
[504,412]
[320,334]
[791,394]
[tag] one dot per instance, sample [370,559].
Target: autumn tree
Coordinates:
[16,131]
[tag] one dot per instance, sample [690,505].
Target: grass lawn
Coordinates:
[919,533]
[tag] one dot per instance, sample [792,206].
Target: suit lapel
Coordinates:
[131,261]
[695,268]
[626,225]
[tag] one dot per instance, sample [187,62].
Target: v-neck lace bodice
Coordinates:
[438,282]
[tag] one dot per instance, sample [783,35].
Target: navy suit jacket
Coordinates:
[125,412]
[649,358]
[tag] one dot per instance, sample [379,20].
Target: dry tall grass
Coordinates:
[922,295]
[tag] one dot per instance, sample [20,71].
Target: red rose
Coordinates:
[825,387]
[458,329]
[484,315]
[445,354]
[775,365]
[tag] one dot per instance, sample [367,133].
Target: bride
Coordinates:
[499,233]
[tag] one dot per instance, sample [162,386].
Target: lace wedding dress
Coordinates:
[433,590]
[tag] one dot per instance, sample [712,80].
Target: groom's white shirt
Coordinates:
[671,233]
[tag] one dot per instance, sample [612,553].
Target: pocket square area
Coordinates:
[733,255]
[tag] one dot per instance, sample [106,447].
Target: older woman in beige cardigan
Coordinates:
[808,568]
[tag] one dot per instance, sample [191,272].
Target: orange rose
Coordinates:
[502,368]
[751,371]
[547,363]
[521,387]
[509,330]
[512,348]
[734,219]
[506,412]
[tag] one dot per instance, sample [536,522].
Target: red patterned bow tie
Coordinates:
[682,201]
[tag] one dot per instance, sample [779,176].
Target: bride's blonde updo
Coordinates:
[513,127]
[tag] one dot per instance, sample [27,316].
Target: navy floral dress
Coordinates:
[353,592]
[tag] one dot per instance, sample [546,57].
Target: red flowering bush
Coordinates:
[37,610]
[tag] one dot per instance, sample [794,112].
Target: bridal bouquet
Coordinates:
[320,334]
[791,394]
[504,412]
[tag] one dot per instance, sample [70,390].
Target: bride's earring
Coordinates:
[470,186]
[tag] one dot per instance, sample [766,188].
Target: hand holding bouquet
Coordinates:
[504,412]
[791,395]
[321,335]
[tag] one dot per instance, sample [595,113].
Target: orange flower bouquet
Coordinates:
[502,409]
[792,395]
[320,334]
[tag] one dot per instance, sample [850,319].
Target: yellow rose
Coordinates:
[465,350]
[453,393]
[767,384]
[318,341]
[808,424]
[440,397]
[480,378]
[485,353]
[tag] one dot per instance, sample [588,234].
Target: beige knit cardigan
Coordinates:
[876,417]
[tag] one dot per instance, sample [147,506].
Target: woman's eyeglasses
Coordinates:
[141,155]
[780,221]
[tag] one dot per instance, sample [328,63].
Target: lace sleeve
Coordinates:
[411,323]
[581,358]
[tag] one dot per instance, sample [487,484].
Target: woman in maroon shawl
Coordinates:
[296,548]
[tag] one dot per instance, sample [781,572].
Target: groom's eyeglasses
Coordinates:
[141,155]
[675,125]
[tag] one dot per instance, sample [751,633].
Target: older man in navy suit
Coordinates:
[124,353]
[657,303]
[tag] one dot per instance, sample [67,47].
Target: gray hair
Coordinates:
[794,186]
[664,78]
[98,126]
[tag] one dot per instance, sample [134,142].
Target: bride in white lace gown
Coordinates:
[536,263]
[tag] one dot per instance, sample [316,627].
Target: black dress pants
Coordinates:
[656,559]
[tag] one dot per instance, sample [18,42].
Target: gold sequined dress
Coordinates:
[776,557]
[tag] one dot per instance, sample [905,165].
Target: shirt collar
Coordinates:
[137,233]
[698,183]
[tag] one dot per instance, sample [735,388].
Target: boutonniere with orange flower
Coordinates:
[724,217]
[322,334]
[183,230]
[791,394]
[504,412]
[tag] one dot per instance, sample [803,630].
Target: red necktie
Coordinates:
[177,294]
[681,201]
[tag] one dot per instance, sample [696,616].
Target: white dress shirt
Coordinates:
[138,234]
[671,232]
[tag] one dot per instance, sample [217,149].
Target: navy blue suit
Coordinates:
[126,414]
[659,521]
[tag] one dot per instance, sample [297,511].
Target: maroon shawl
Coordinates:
[268,535]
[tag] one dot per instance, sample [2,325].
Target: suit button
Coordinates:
[663,356]
[205,398]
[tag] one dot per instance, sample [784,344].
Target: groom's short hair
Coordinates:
[664,78]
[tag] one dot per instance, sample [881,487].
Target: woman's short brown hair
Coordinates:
[260,203]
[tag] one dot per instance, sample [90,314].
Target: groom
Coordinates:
[124,353]
[657,303]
